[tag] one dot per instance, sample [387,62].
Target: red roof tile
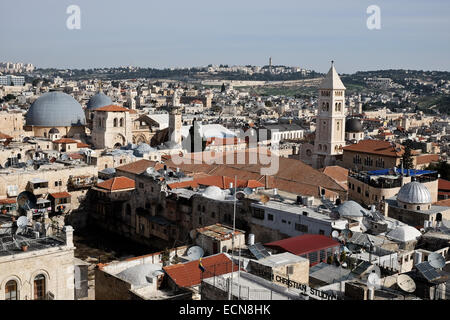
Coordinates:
[65,140]
[427,158]
[5,136]
[303,244]
[376,147]
[59,195]
[117,183]
[7,201]
[443,184]
[189,274]
[112,108]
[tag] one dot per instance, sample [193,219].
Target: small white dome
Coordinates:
[414,193]
[214,192]
[137,275]
[404,233]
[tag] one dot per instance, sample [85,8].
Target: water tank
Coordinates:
[417,257]
[371,294]
[251,239]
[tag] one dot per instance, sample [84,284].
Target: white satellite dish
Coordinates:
[195,253]
[436,260]
[373,280]
[150,171]
[335,234]
[22,222]
[406,283]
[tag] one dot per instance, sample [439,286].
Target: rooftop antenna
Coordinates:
[232,243]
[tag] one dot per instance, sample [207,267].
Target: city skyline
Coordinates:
[157,35]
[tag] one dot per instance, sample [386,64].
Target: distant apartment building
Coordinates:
[12,80]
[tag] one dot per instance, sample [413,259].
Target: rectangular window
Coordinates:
[321,232]
[301,227]
[283,221]
[270,217]
[258,213]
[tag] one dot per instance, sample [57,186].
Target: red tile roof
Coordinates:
[189,274]
[303,244]
[338,174]
[75,156]
[5,136]
[112,108]
[443,184]
[137,167]
[59,195]
[65,140]
[117,183]
[427,158]
[380,147]
[82,145]
[7,201]
[222,182]
[443,203]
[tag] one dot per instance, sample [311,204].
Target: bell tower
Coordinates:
[330,125]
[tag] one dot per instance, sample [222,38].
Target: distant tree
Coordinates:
[269,104]
[442,167]
[223,88]
[407,159]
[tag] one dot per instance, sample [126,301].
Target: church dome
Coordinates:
[98,100]
[414,193]
[353,125]
[139,275]
[53,130]
[55,109]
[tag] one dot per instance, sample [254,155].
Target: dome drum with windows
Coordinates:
[55,111]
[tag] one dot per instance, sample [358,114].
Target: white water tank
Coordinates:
[417,257]
[371,293]
[251,239]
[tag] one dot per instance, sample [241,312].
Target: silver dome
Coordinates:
[55,109]
[351,209]
[414,193]
[98,100]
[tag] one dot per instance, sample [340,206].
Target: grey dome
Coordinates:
[351,209]
[403,233]
[214,192]
[142,149]
[353,125]
[98,100]
[53,130]
[55,109]
[414,193]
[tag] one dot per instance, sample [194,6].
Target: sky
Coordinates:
[179,33]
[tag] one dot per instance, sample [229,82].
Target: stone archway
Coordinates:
[139,139]
[118,141]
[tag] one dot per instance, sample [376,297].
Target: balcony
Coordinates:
[37,186]
[81,182]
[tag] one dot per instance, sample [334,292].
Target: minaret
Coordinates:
[270,64]
[175,125]
[330,125]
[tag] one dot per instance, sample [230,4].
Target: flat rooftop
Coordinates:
[12,246]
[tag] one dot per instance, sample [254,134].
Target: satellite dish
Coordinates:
[248,191]
[264,199]
[193,234]
[195,253]
[22,222]
[406,283]
[436,260]
[240,195]
[373,280]
[347,234]
[36,166]
[150,171]
[29,163]
[26,200]
[64,157]
[335,234]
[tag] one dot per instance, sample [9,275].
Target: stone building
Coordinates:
[41,269]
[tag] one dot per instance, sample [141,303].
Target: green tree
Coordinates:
[223,88]
[407,159]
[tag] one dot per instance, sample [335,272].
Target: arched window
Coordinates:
[39,287]
[11,290]
[115,122]
[320,147]
[121,122]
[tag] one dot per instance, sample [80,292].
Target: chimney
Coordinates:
[69,236]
